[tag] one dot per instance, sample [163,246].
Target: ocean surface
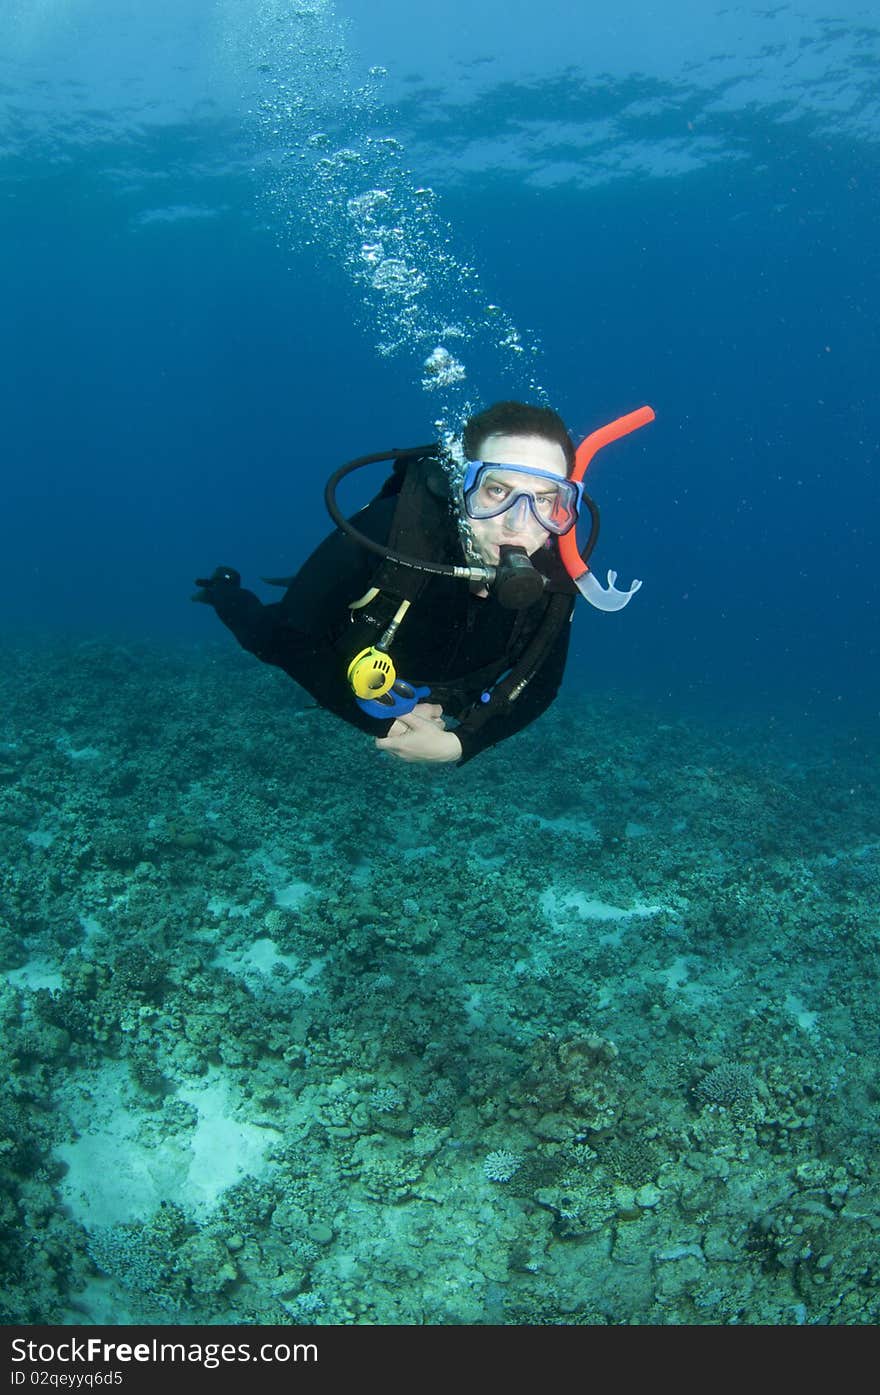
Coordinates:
[585,1032]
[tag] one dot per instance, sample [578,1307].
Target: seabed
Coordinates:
[585,1033]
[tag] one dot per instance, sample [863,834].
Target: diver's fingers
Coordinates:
[401,726]
[406,726]
[429,712]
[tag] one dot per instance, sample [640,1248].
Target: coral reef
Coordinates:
[607,1059]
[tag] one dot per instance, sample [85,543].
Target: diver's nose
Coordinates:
[517,516]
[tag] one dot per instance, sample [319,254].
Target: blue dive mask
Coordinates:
[490,489]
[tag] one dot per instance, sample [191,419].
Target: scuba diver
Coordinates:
[482,552]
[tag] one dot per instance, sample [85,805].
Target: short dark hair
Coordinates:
[516,419]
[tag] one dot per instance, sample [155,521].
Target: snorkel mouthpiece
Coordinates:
[593,591]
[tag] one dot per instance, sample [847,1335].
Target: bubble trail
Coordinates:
[331,173]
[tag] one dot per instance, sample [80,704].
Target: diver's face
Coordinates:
[516,527]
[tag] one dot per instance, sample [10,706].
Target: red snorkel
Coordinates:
[577,568]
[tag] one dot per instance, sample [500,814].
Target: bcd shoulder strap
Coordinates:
[423,524]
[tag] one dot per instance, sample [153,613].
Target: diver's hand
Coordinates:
[209,585]
[421,735]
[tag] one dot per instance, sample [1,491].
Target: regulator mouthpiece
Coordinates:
[517,583]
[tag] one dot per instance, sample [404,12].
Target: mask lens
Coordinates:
[491,489]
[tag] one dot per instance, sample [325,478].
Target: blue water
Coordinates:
[182,372]
[666,205]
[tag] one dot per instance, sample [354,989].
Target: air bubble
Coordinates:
[442,370]
[395,277]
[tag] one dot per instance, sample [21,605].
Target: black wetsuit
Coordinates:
[448,640]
